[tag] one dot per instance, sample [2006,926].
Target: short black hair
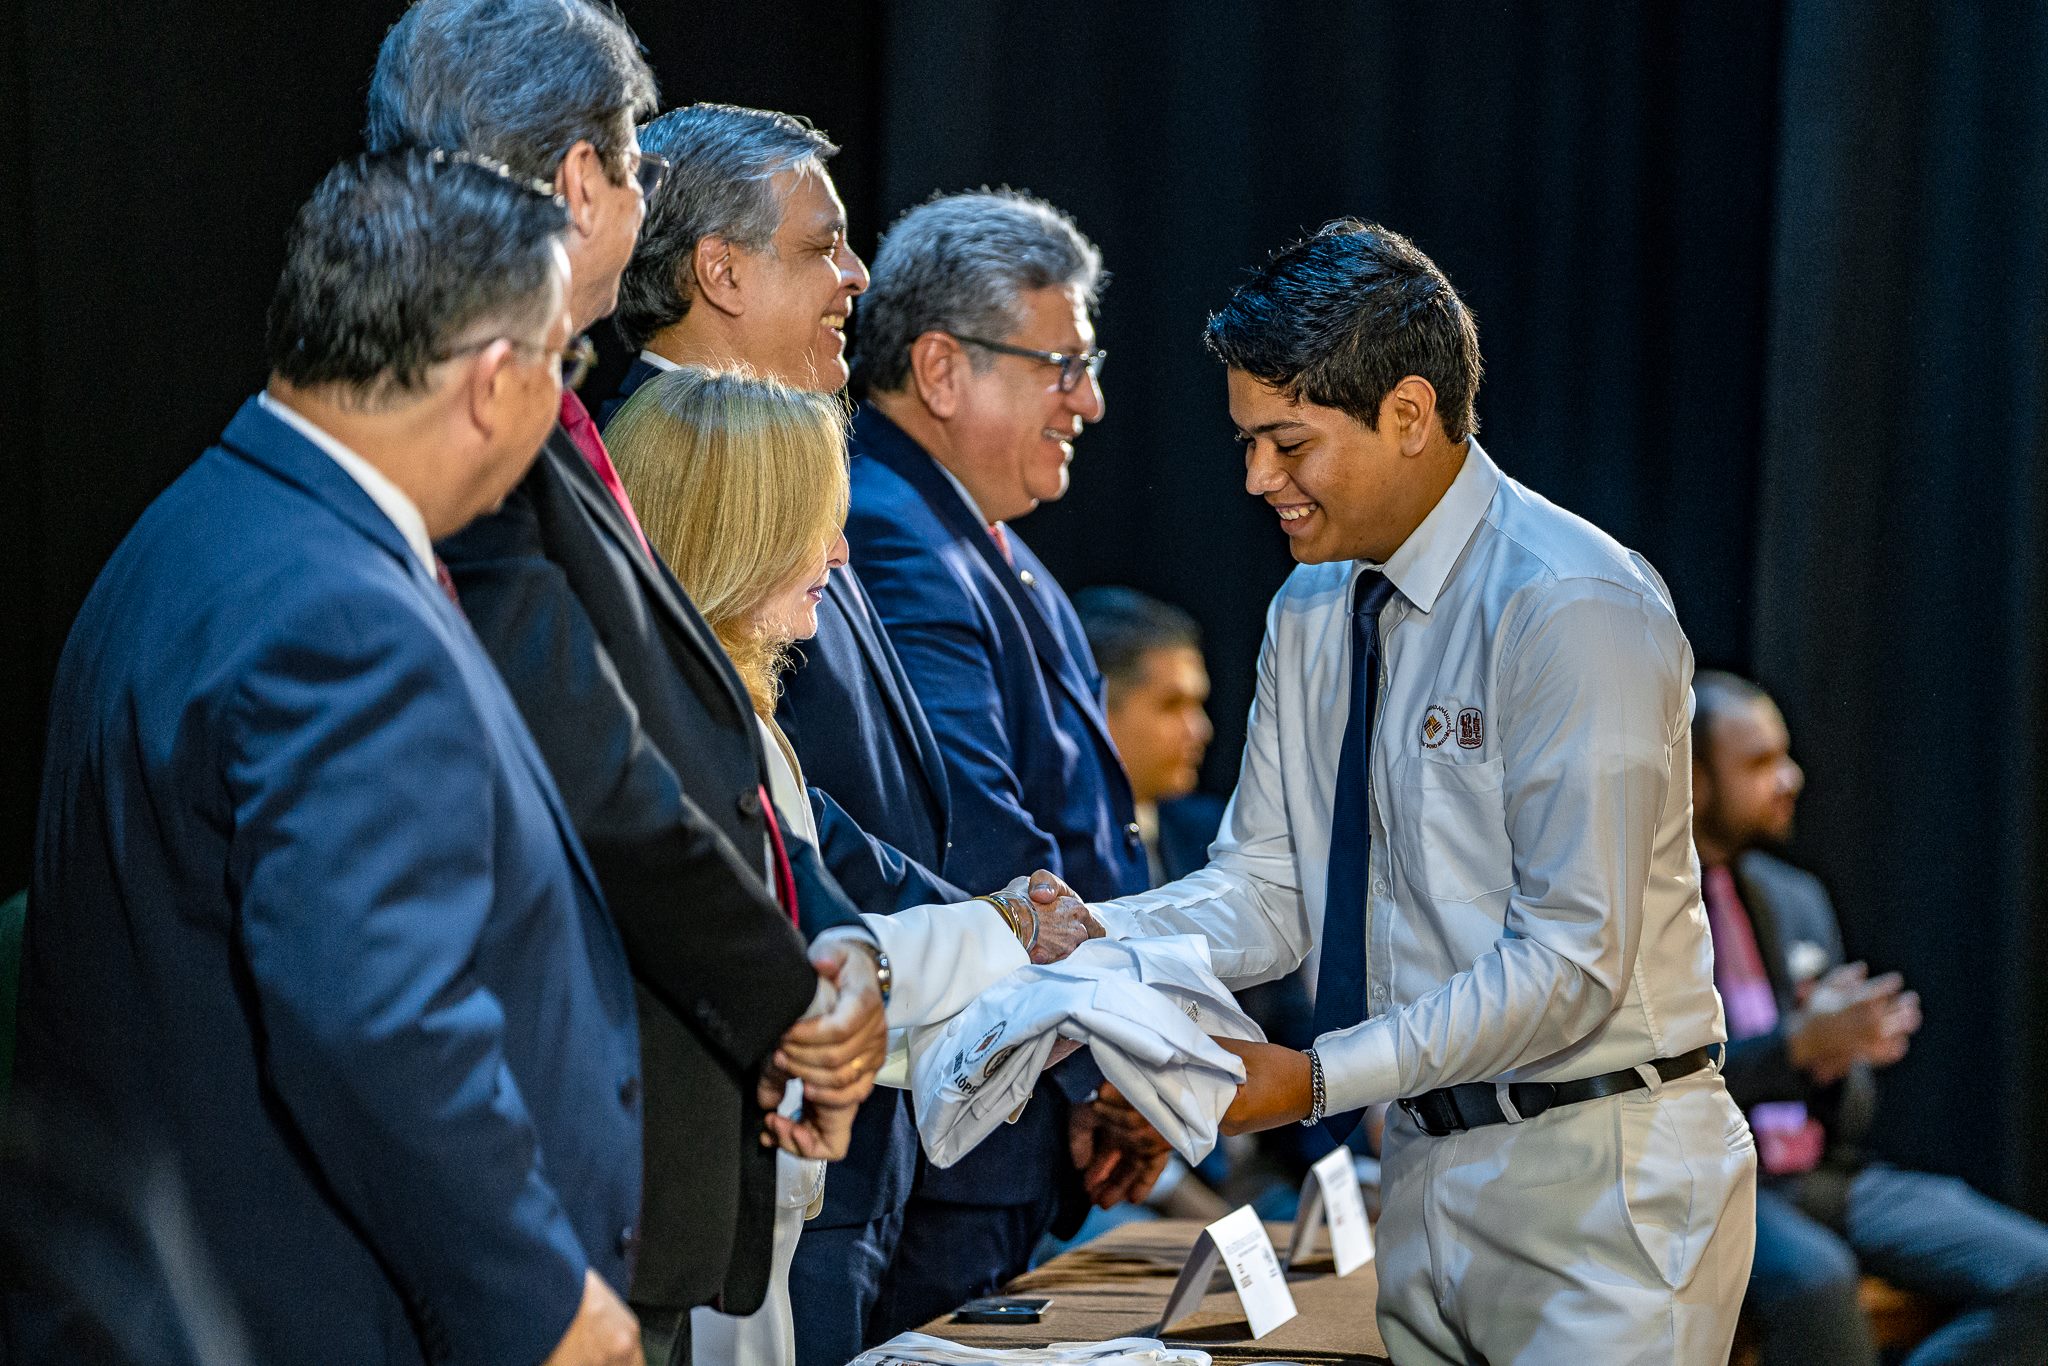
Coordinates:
[398,257]
[1342,317]
[1124,625]
[723,159]
[1716,693]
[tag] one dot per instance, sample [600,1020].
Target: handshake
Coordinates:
[839,1045]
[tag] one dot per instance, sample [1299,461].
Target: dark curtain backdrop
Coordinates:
[1760,289]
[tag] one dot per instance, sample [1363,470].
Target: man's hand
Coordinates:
[1118,1153]
[821,1131]
[1277,1088]
[1064,920]
[837,1053]
[1851,1017]
[603,1333]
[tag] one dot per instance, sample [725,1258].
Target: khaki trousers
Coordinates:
[1613,1231]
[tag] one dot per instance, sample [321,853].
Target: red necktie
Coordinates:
[1002,540]
[447,582]
[576,421]
[785,876]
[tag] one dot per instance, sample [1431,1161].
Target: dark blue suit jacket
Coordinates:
[313,940]
[998,659]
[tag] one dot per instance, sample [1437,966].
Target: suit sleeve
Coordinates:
[878,877]
[703,931]
[943,639]
[362,901]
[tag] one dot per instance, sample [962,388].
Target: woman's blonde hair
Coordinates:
[740,482]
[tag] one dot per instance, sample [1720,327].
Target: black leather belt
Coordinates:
[1454,1109]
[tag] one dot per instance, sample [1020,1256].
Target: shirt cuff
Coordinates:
[1116,923]
[1360,1066]
[859,934]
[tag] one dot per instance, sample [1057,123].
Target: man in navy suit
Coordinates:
[314,954]
[634,704]
[744,259]
[977,362]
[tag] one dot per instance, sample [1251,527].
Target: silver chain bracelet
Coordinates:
[1315,1090]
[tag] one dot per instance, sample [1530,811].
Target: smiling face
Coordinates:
[795,325]
[1340,490]
[1014,427]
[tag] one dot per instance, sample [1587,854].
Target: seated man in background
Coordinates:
[1804,1031]
[313,948]
[1150,654]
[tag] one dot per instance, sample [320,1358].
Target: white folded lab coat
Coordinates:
[1145,1007]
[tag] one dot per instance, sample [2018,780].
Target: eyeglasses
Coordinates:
[576,358]
[650,170]
[1072,364]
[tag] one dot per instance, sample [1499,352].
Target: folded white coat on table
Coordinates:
[1146,1007]
[919,1349]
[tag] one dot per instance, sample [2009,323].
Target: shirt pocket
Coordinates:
[1448,824]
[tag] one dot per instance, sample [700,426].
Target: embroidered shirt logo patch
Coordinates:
[1436,728]
[1471,728]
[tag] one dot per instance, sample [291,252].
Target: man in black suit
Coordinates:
[1804,1032]
[636,708]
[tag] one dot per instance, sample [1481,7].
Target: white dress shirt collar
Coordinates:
[657,360]
[1425,560]
[389,498]
[961,489]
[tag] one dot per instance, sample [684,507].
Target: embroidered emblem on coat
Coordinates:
[1436,727]
[1471,728]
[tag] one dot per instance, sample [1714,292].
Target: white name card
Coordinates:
[1239,1241]
[1330,1194]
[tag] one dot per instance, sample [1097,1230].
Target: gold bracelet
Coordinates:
[1003,910]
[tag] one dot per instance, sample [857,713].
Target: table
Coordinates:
[1116,1286]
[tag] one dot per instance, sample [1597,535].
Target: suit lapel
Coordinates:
[264,440]
[657,582]
[852,601]
[884,440]
[1763,923]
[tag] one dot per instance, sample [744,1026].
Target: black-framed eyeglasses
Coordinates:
[1072,364]
[650,170]
[577,357]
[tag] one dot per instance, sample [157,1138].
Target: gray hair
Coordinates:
[960,264]
[722,159]
[399,259]
[519,80]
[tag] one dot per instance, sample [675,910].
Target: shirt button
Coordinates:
[1133,831]
[750,804]
[629,1091]
[629,1240]
[1379,886]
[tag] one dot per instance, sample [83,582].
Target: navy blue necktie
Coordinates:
[1340,982]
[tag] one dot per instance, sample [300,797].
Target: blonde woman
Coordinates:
[741,485]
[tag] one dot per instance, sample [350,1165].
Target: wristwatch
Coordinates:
[885,976]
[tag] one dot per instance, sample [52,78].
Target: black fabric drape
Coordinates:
[1760,289]
[1902,568]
